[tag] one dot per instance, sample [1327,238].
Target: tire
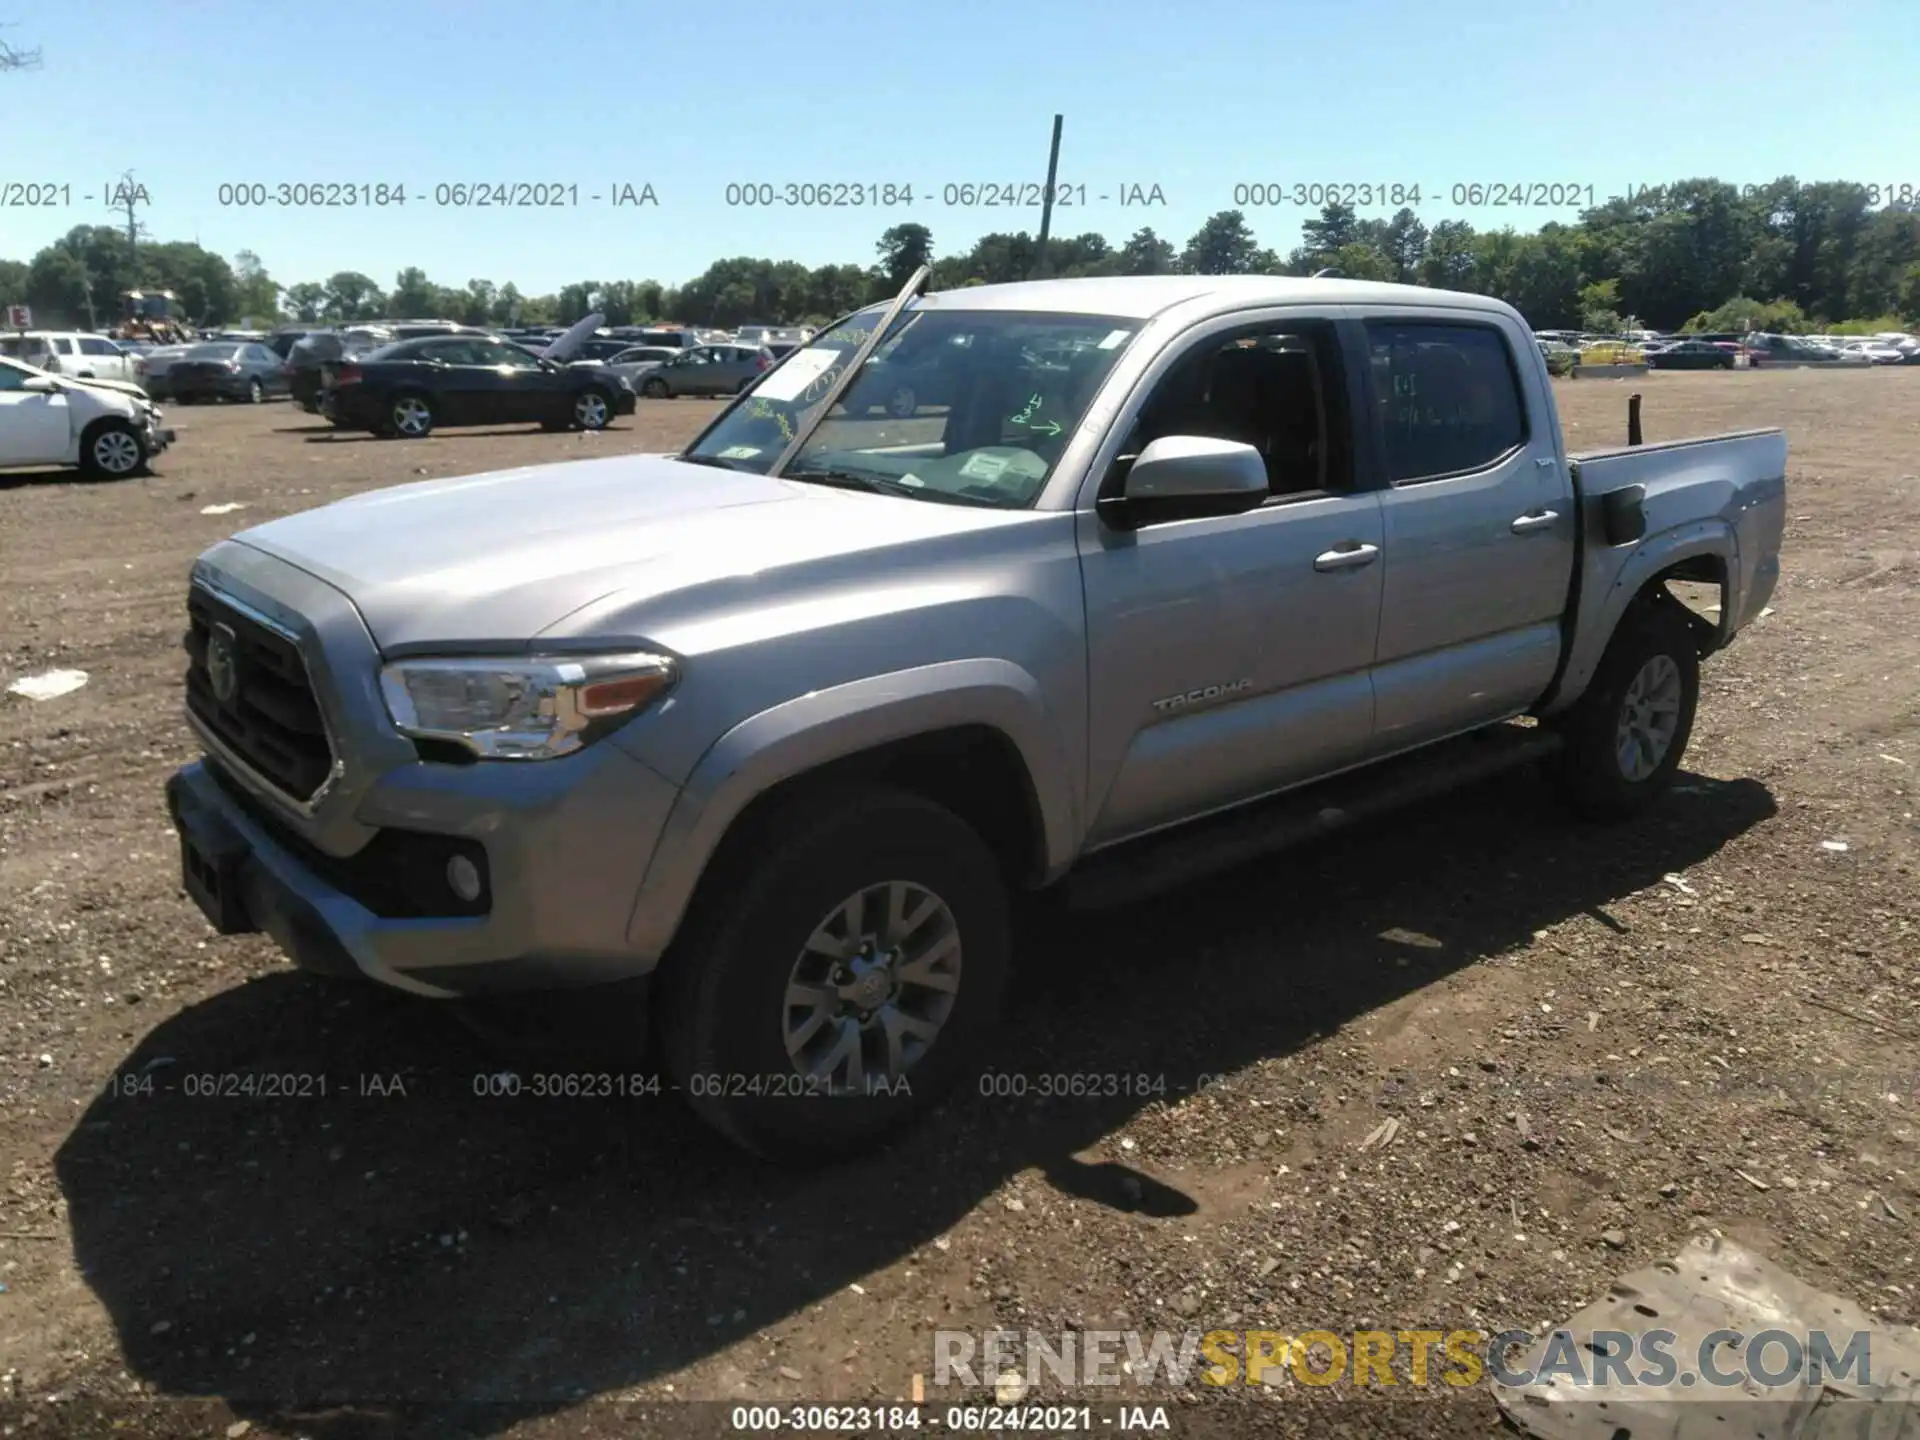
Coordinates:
[725,1026]
[409,416]
[112,450]
[256,392]
[655,388]
[593,409]
[1651,658]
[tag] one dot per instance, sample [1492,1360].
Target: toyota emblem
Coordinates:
[223,668]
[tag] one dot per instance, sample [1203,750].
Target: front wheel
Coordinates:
[1626,735]
[850,978]
[256,392]
[111,450]
[592,410]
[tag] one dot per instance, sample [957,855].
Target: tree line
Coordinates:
[1785,256]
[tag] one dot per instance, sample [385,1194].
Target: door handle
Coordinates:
[1544,462]
[1349,557]
[1538,520]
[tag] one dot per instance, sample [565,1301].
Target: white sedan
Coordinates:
[1878,352]
[107,428]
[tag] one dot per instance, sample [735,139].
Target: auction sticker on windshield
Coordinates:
[801,370]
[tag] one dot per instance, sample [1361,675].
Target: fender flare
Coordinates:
[815,729]
[1599,614]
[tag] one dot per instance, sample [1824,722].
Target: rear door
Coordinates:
[1478,522]
[103,359]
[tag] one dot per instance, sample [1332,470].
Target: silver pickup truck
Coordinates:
[765,736]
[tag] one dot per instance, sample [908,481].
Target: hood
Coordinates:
[120,387]
[492,561]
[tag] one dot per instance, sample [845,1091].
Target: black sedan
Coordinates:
[411,388]
[1690,355]
[227,370]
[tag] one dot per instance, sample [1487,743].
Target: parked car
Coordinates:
[412,387]
[1787,348]
[1876,352]
[1561,358]
[680,731]
[82,354]
[150,370]
[672,337]
[595,348]
[105,428]
[635,361]
[707,370]
[1689,355]
[303,368]
[224,370]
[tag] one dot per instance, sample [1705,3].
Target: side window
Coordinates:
[453,352]
[89,345]
[1448,397]
[1279,389]
[61,345]
[11,379]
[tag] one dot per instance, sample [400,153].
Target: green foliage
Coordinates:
[1740,314]
[1695,248]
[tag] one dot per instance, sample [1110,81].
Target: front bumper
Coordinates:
[155,436]
[565,858]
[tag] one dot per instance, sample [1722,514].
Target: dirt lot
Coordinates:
[1599,1042]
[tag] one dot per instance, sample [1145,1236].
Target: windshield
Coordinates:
[962,406]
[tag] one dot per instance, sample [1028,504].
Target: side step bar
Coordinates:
[1171,858]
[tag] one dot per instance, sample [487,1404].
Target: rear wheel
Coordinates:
[654,389]
[1625,737]
[256,392]
[409,416]
[850,977]
[111,450]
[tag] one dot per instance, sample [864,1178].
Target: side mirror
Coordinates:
[1187,477]
[40,384]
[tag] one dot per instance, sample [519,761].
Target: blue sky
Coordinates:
[1194,98]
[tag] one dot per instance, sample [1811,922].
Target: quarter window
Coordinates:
[1448,398]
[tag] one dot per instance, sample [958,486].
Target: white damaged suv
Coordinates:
[109,429]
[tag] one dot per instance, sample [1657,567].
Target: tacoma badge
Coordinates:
[1204,695]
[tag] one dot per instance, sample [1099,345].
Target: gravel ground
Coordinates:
[1596,1042]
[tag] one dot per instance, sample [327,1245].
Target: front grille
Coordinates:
[272,720]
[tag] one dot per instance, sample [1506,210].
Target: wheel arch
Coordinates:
[970,735]
[1706,552]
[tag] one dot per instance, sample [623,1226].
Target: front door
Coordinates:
[35,428]
[1231,657]
[1479,527]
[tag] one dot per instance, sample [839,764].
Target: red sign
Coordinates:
[19,317]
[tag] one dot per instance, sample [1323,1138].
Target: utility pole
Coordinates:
[1046,199]
[124,197]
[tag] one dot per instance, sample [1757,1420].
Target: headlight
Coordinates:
[511,708]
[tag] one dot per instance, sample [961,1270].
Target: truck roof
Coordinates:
[1142,296]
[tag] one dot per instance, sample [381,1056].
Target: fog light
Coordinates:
[464,876]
